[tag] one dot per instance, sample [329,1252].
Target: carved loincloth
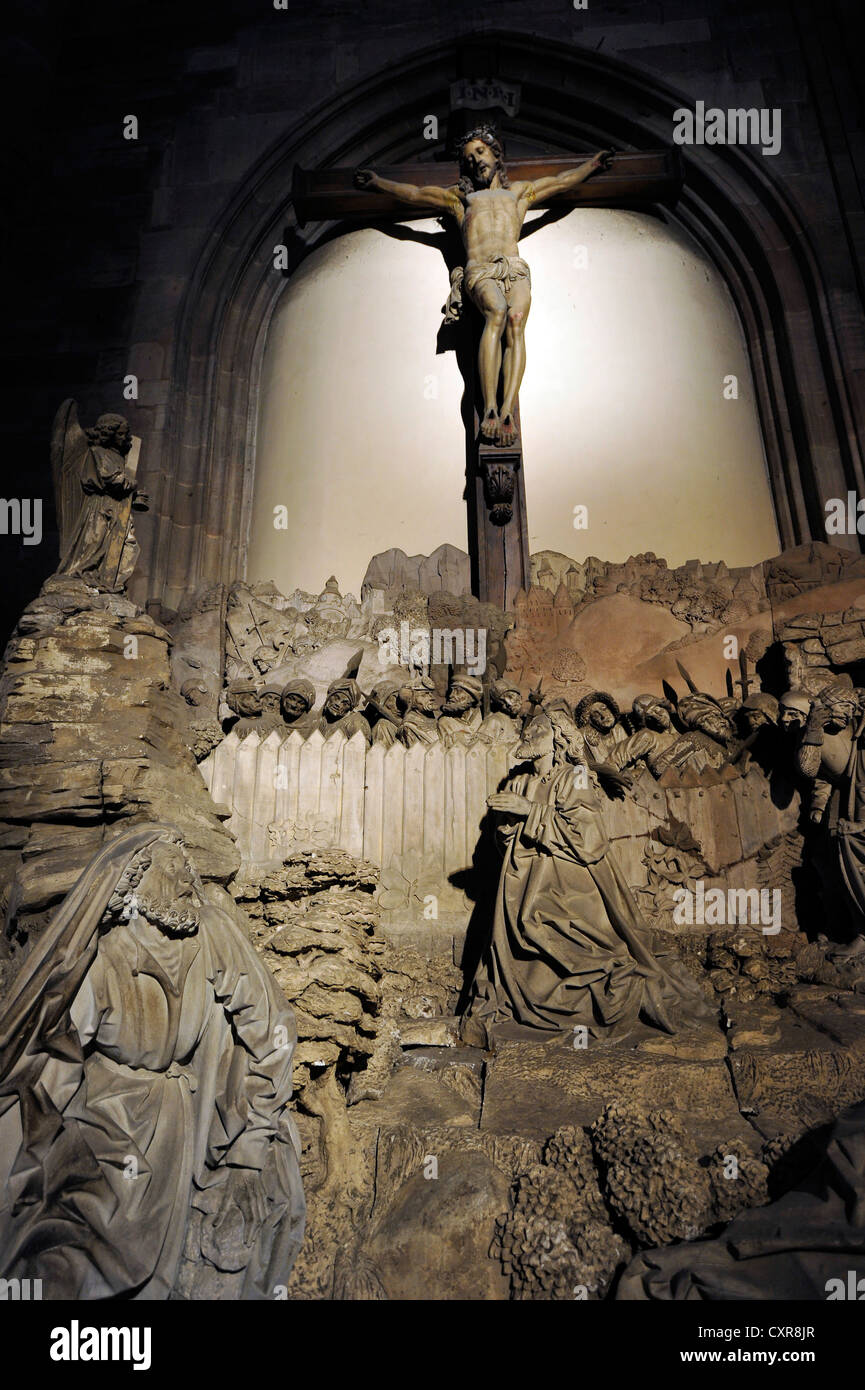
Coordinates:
[504,270]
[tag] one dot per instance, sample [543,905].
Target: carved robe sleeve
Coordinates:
[264,1025]
[569,824]
[85,1009]
[633,749]
[808,761]
[105,471]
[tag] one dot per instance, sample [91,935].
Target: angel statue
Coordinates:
[96,493]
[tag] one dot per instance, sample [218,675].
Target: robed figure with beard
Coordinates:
[145,1078]
[568,947]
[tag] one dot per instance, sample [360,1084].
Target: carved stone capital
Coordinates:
[499,471]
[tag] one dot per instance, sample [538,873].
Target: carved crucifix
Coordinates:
[488,203]
[489,211]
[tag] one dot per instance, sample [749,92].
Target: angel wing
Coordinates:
[69,447]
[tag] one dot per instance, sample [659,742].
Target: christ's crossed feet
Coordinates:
[499,430]
[507,431]
[490,426]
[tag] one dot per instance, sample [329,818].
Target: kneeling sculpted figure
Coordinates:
[145,1078]
[568,946]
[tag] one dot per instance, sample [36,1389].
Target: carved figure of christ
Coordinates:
[490,212]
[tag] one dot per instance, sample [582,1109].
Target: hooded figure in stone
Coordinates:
[243,699]
[295,702]
[568,946]
[340,712]
[145,1076]
[420,722]
[384,702]
[461,716]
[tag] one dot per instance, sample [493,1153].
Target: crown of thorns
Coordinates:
[487,133]
[491,139]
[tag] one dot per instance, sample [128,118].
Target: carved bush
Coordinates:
[650,1174]
[555,1242]
[738,1180]
[568,665]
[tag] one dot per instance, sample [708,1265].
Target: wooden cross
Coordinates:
[497,523]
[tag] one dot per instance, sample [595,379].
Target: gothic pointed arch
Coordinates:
[572,100]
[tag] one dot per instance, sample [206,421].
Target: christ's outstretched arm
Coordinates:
[561,183]
[434,198]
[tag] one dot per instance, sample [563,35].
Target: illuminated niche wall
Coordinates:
[628,407]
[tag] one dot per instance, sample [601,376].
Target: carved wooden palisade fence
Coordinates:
[416,813]
[378,804]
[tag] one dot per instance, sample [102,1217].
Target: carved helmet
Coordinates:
[473,684]
[764,704]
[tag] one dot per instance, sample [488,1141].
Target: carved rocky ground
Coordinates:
[436,1171]
[433,1170]
[92,735]
[517,1162]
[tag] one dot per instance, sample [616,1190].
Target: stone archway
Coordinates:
[731,205]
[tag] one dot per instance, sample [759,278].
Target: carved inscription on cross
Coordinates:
[488,203]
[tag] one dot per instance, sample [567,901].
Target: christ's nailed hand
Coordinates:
[603,159]
[509,803]
[364,178]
